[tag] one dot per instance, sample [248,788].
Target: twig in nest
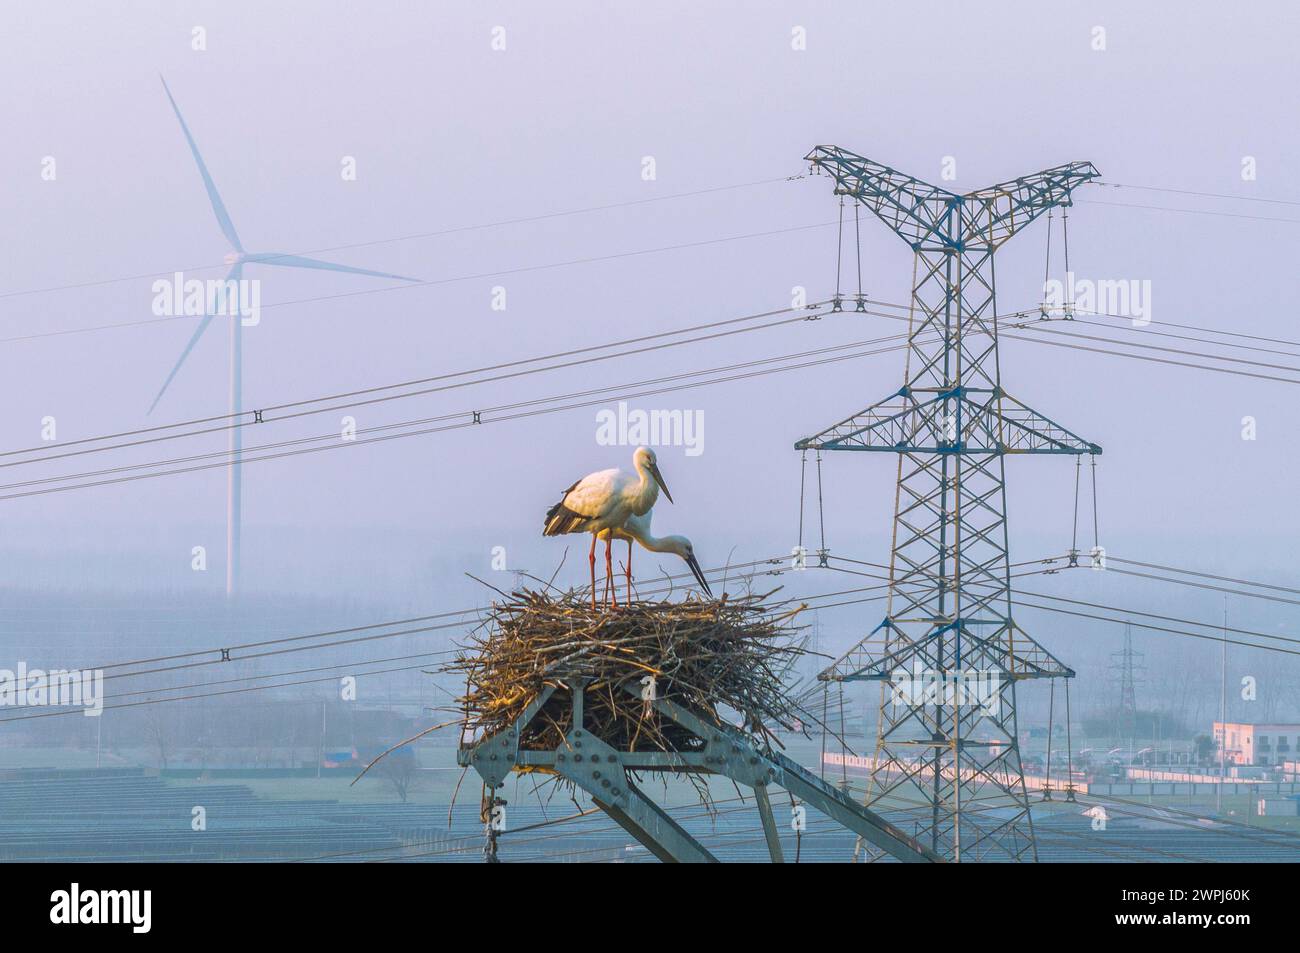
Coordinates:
[388,751]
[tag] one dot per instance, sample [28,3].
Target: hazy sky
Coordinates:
[447,132]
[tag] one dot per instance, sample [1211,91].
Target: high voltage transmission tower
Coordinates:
[949,650]
[1127,667]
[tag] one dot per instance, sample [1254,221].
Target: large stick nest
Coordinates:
[713,658]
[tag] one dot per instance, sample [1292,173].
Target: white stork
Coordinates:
[638,528]
[603,501]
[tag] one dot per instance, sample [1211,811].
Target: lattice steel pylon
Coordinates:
[1127,666]
[949,650]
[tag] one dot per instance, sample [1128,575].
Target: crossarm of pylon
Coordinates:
[960,420]
[1015,428]
[999,211]
[916,211]
[1016,656]
[857,658]
[869,429]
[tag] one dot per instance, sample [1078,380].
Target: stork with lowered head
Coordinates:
[613,504]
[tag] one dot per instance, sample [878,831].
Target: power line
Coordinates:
[1213,195]
[470,277]
[258,416]
[350,666]
[474,418]
[53,713]
[499,273]
[1034,325]
[470,418]
[1181,337]
[810,312]
[1158,360]
[1217,639]
[1030,321]
[463,419]
[66,711]
[223,652]
[289,651]
[1155,347]
[58,712]
[1036,313]
[1203,575]
[1201,585]
[1218,627]
[1190,327]
[1191,211]
[1106,608]
[417,236]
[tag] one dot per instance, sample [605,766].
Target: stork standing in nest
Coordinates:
[637,528]
[601,503]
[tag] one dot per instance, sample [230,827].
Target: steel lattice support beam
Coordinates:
[950,614]
[606,776]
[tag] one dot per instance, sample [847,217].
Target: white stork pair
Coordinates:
[610,505]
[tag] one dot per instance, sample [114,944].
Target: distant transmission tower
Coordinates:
[1127,667]
[952,426]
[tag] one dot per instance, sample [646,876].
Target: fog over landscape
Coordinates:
[511,185]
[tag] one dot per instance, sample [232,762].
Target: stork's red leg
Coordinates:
[609,572]
[629,572]
[593,570]
[604,596]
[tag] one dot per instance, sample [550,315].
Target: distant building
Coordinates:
[1263,745]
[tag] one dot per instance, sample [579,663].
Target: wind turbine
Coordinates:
[237,258]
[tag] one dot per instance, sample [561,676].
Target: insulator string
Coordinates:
[803,477]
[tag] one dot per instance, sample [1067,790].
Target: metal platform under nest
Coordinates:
[605,774]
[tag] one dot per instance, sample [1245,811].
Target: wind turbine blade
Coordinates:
[218,207]
[198,333]
[298,261]
[194,339]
